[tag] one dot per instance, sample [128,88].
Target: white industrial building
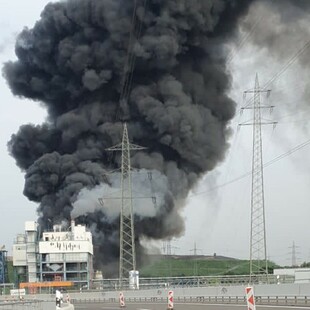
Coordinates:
[299,275]
[58,256]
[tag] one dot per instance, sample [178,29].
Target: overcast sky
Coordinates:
[217,220]
[15,208]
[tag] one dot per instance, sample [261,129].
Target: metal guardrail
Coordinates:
[22,305]
[260,300]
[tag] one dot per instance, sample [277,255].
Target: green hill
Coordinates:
[180,266]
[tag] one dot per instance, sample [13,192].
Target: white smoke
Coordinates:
[147,193]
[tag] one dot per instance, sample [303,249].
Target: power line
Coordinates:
[290,152]
[288,64]
[284,68]
[269,163]
[126,83]
[243,40]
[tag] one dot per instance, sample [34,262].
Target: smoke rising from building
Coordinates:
[72,62]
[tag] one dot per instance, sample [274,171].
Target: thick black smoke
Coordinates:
[72,61]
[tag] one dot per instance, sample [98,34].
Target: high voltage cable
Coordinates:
[292,114]
[133,63]
[129,65]
[295,149]
[284,68]
[269,163]
[288,64]
[129,56]
[243,40]
[135,34]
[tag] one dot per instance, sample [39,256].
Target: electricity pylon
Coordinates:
[127,258]
[258,248]
[294,252]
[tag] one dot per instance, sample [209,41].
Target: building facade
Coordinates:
[3,266]
[57,256]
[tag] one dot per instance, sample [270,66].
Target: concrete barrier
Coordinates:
[67,306]
[272,290]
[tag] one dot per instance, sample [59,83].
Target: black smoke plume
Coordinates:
[72,61]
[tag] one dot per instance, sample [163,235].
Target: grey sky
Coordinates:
[218,221]
[15,208]
[226,212]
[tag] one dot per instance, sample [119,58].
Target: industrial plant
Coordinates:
[57,258]
[134,87]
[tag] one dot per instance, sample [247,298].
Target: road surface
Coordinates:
[157,306]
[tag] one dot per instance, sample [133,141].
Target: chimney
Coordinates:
[72,226]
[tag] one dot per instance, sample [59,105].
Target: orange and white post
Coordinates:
[250,298]
[170,300]
[121,300]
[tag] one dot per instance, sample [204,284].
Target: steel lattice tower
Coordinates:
[294,247]
[127,259]
[258,250]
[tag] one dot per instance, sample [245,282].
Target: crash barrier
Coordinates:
[66,307]
[259,300]
[33,305]
[22,305]
[298,290]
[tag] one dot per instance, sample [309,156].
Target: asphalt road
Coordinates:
[150,306]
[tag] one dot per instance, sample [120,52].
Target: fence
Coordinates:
[199,281]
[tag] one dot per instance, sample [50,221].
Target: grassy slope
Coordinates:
[172,267]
